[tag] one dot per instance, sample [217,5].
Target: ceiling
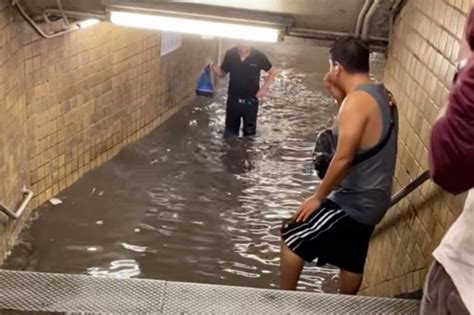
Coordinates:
[313,17]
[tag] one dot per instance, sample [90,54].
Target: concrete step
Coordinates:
[66,293]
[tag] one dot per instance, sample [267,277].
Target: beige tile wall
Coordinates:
[420,68]
[70,103]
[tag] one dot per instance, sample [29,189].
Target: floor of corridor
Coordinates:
[185,204]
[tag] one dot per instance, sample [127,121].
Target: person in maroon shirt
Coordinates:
[452,137]
[449,288]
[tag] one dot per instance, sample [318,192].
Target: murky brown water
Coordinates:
[186,204]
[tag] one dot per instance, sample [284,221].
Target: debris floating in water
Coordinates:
[247,164]
[100,222]
[55,201]
[94,190]
[135,248]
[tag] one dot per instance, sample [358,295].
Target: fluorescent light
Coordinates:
[199,27]
[87,23]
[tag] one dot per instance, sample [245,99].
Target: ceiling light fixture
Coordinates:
[194,26]
[88,23]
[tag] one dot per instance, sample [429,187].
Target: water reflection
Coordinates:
[126,268]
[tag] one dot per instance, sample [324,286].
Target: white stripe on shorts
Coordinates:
[304,224]
[318,225]
[321,231]
[333,218]
[309,227]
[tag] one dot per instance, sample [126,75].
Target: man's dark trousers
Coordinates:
[238,110]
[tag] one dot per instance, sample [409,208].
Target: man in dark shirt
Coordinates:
[244,64]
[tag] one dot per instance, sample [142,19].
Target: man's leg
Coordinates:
[291,266]
[232,117]
[250,114]
[349,282]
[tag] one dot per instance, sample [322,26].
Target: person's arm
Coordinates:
[451,153]
[337,94]
[270,74]
[217,70]
[222,70]
[267,82]
[352,121]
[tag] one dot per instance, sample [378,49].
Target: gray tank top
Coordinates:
[365,192]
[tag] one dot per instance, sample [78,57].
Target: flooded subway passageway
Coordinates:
[186,204]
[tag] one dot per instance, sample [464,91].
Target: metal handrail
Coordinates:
[405,191]
[27,195]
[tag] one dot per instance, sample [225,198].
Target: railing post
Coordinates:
[27,195]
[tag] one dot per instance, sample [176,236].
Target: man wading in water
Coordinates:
[334,225]
[244,64]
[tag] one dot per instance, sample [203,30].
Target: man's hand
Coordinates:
[308,207]
[262,92]
[333,90]
[216,69]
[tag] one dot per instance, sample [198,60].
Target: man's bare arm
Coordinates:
[352,120]
[268,80]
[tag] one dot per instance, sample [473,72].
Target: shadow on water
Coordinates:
[186,204]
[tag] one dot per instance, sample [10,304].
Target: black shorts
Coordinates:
[330,236]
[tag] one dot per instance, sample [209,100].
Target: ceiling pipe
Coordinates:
[36,27]
[75,14]
[84,18]
[394,10]
[327,35]
[361,17]
[368,19]
[63,15]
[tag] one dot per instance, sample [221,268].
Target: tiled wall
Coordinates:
[70,103]
[419,71]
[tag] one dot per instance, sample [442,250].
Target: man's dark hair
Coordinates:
[352,54]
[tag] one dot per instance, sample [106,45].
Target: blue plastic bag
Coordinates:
[204,84]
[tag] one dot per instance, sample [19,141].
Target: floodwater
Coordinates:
[185,204]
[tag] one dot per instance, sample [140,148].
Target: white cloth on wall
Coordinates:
[170,42]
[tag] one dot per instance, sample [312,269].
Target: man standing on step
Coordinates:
[334,225]
[449,287]
[244,63]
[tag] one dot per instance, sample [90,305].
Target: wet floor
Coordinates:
[185,204]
